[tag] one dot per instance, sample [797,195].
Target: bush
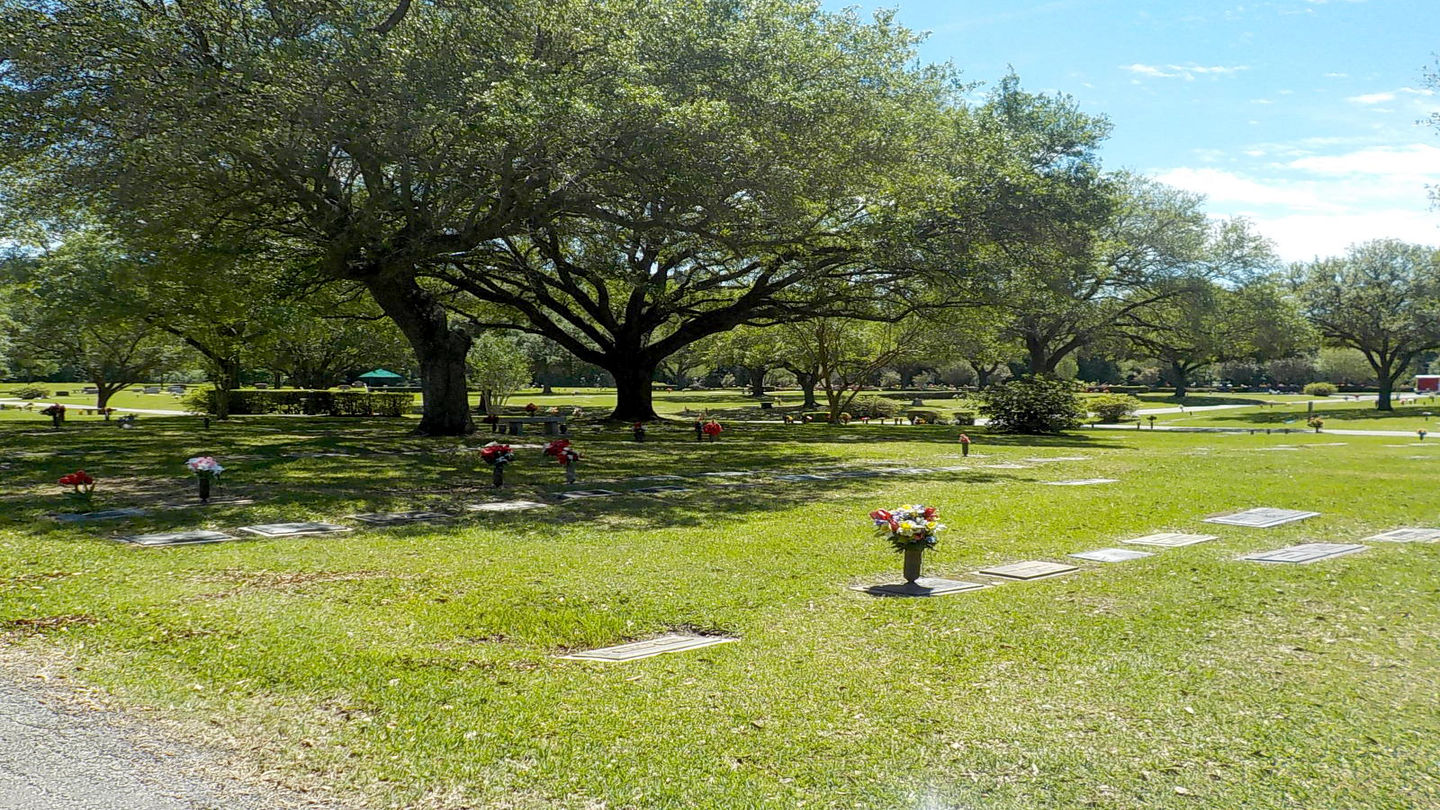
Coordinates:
[31,392]
[1032,405]
[929,417]
[875,406]
[313,403]
[1113,407]
[1320,389]
[964,417]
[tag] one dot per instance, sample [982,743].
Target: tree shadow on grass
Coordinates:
[145,468]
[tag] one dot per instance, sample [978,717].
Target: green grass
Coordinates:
[418,667]
[1336,413]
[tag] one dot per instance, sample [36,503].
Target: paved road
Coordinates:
[39,402]
[52,758]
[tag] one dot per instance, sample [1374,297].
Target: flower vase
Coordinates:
[912,563]
[497,475]
[204,483]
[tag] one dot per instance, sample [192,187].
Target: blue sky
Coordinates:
[1303,115]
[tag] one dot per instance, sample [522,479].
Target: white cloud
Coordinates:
[1388,95]
[1319,204]
[1186,72]
[1413,161]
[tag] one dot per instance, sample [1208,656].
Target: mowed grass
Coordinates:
[1337,413]
[418,667]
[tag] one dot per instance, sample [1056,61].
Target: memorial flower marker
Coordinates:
[82,486]
[912,530]
[565,454]
[712,429]
[497,455]
[206,470]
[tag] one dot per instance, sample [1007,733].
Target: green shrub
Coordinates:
[875,406]
[1113,407]
[313,403]
[964,417]
[31,392]
[1320,389]
[1032,405]
[928,416]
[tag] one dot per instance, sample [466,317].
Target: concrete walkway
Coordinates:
[55,758]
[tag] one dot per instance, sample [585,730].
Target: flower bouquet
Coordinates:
[911,529]
[82,486]
[531,408]
[56,412]
[638,431]
[565,454]
[206,469]
[712,429]
[1315,422]
[497,455]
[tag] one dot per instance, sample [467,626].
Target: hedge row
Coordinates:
[315,403]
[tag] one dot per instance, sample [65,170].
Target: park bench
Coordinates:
[515,425]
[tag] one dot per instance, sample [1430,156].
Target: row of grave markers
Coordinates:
[1262,517]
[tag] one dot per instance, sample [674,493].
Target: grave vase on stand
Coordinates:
[203,481]
[497,475]
[570,473]
[912,563]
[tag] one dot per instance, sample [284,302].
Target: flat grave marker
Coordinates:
[505,506]
[176,538]
[294,529]
[728,474]
[1081,482]
[1407,536]
[1110,555]
[1305,553]
[1047,459]
[803,477]
[909,471]
[659,478]
[104,514]
[1171,539]
[673,642]
[660,490]
[586,493]
[1263,517]
[924,586]
[1005,466]
[399,518]
[1030,569]
[855,474]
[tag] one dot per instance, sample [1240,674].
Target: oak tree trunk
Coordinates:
[440,351]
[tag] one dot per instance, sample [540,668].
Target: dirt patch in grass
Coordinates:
[46,624]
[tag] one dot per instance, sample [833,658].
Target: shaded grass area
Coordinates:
[417,666]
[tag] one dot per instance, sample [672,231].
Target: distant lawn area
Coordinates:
[420,666]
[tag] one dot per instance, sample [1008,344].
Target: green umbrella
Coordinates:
[381,377]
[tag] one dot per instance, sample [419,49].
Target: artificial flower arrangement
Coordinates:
[712,429]
[531,408]
[497,455]
[908,527]
[638,431]
[565,454]
[82,485]
[1315,422]
[206,469]
[56,412]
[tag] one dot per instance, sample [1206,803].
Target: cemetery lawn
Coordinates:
[1337,413]
[418,666]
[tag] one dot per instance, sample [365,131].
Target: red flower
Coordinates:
[880,514]
[531,408]
[712,428]
[930,512]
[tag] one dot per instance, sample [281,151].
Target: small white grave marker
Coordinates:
[294,529]
[177,538]
[1407,536]
[1305,553]
[1110,555]
[924,586]
[505,506]
[586,493]
[399,518]
[674,642]
[1171,539]
[1006,466]
[1082,482]
[105,514]
[1032,569]
[1262,517]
